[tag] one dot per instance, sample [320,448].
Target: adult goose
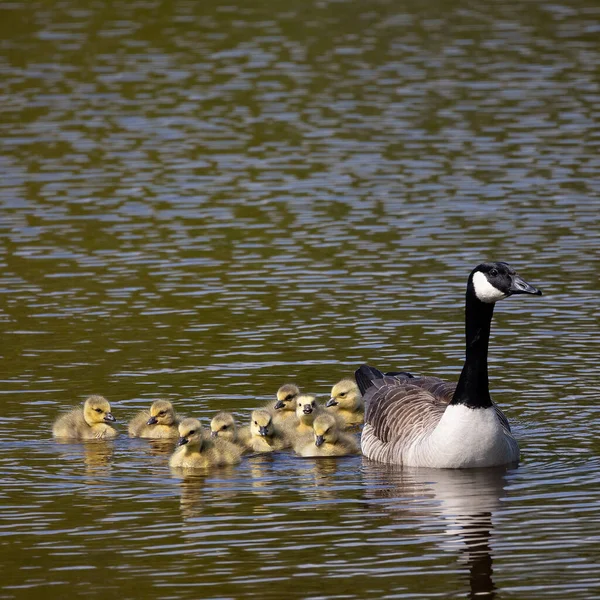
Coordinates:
[427,422]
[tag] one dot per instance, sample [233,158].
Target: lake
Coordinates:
[201,201]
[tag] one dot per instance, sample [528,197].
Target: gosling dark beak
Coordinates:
[279,404]
[262,431]
[109,417]
[331,402]
[214,434]
[152,421]
[181,441]
[520,286]
[319,440]
[307,410]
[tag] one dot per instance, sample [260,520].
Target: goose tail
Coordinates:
[365,376]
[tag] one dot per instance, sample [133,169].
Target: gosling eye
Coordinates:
[191,433]
[288,397]
[256,422]
[494,272]
[98,410]
[312,404]
[161,413]
[224,427]
[342,394]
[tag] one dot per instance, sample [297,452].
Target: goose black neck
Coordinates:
[473,389]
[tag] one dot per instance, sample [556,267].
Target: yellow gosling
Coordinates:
[262,435]
[87,423]
[223,426]
[196,450]
[328,440]
[284,409]
[160,422]
[346,403]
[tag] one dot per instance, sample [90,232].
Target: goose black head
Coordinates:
[490,282]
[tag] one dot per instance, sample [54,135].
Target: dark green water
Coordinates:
[202,201]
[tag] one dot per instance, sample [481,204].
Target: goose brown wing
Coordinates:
[400,409]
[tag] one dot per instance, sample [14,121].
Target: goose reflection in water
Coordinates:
[97,455]
[466,500]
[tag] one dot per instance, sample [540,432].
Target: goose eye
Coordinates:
[288,397]
[312,404]
[494,272]
[342,394]
[161,413]
[224,427]
[192,432]
[256,422]
[98,410]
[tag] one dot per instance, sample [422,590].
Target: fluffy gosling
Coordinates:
[328,440]
[346,403]
[284,409]
[196,450]
[87,423]
[263,436]
[160,422]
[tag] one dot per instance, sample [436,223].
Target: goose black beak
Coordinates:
[520,286]
[279,404]
[319,440]
[262,431]
[181,441]
[307,410]
[331,402]
[109,417]
[152,421]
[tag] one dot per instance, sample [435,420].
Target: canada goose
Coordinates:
[427,422]
[160,422]
[328,440]
[263,435]
[346,403]
[87,423]
[195,449]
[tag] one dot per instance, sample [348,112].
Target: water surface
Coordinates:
[202,201]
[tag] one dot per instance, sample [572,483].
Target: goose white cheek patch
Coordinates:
[484,290]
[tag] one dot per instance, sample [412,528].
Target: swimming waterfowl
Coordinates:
[262,434]
[195,449]
[284,409]
[327,439]
[427,422]
[346,403]
[87,423]
[223,426]
[160,422]
[301,431]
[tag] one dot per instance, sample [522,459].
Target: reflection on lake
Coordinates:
[203,201]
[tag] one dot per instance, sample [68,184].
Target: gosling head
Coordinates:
[96,409]
[190,433]
[223,426]
[261,423]
[326,430]
[306,405]
[345,395]
[286,397]
[161,413]
[494,281]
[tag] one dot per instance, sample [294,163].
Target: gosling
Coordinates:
[284,409]
[346,403]
[263,435]
[87,423]
[224,427]
[195,450]
[160,422]
[328,439]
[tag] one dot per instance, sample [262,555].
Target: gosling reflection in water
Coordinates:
[466,500]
